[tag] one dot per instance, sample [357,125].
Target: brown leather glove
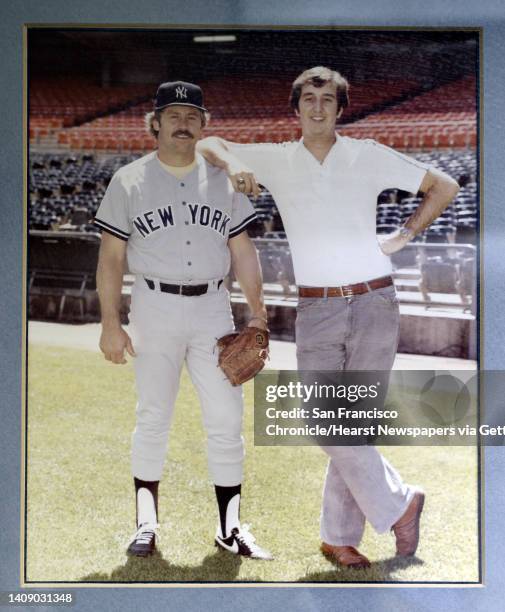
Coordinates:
[243,354]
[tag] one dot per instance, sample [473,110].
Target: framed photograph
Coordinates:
[416,90]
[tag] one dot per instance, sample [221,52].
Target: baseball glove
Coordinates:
[243,354]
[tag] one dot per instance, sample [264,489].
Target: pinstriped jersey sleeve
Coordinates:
[242,214]
[112,214]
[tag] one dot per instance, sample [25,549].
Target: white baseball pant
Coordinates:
[168,330]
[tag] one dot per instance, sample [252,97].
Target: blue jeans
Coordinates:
[356,333]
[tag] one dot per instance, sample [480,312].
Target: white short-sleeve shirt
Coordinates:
[329,209]
[177,229]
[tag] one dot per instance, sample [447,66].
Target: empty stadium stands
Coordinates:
[399,113]
[81,134]
[55,104]
[66,190]
[61,184]
[442,118]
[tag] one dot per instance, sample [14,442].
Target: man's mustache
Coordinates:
[182,133]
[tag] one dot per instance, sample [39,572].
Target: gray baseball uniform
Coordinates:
[177,232]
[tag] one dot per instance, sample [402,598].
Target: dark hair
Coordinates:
[318,77]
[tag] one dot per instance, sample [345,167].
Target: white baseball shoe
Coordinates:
[242,542]
[143,542]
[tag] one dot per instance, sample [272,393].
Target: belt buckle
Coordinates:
[347,291]
[181,289]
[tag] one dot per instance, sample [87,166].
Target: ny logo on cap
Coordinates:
[181,92]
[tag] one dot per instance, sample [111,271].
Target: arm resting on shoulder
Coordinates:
[109,281]
[247,269]
[217,153]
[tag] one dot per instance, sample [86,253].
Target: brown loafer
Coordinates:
[406,529]
[347,556]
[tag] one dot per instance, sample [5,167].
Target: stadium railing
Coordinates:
[62,267]
[425,274]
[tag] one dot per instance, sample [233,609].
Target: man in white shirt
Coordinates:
[325,187]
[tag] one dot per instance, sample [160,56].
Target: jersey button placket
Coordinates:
[188,262]
[185,206]
[184,203]
[186,223]
[187,254]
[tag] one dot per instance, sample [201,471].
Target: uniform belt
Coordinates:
[346,290]
[188,290]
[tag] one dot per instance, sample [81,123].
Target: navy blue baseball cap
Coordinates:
[179,92]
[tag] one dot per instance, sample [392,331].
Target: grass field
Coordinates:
[81,510]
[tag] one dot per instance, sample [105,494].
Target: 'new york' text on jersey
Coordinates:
[177,229]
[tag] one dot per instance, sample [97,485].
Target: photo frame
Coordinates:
[491,451]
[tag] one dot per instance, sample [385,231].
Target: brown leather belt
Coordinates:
[346,290]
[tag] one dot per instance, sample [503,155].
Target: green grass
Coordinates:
[81,511]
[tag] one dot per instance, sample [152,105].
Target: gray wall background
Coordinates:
[486,13]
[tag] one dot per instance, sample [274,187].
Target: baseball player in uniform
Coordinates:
[326,189]
[179,223]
